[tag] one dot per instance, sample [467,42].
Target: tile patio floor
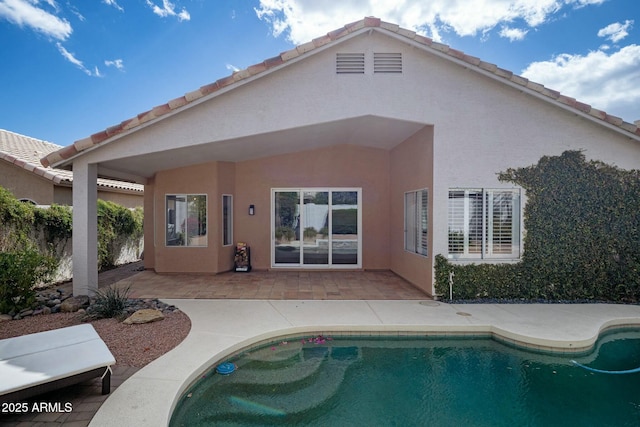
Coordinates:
[271,285]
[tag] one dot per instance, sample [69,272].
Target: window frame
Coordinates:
[227,220]
[482,217]
[185,215]
[416,222]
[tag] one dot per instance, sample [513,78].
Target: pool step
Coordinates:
[280,405]
[274,377]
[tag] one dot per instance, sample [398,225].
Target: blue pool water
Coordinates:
[422,381]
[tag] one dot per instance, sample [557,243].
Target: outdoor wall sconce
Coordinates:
[252,210]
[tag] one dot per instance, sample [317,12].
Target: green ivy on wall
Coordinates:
[582,238]
[23,266]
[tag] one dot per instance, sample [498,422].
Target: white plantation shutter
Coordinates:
[416,205]
[484,223]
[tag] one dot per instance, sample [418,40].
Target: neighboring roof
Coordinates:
[332,37]
[25,152]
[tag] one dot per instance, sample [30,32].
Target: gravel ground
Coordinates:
[131,345]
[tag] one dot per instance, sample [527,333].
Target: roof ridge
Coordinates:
[368,22]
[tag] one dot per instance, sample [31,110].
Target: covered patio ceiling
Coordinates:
[371,131]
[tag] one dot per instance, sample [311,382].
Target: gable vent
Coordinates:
[387,62]
[350,63]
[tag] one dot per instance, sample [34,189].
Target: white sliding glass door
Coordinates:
[316,227]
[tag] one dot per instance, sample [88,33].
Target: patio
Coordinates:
[263,285]
[270,285]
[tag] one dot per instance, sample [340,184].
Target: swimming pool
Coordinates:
[431,380]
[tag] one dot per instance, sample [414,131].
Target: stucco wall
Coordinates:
[411,170]
[199,179]
[337,166]
[25,185]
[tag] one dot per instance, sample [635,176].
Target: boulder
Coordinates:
[73,304]
[5,317]
[146,315]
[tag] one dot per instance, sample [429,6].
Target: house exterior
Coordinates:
[369,148]
[23,175]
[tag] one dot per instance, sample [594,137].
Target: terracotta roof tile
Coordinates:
[181,101]
[407,33]
[583,107]
[161,110]
[372,21]
[273,62]
[321,41]
[288,55]
[471,60]
[614,120]
[257,68]
[423,40]
[196,94]
[97,138]
[487,66]
[439,46]
[336,34]
[519,80]
[25,152]
[304,48]
[387,26]
[598,113]
[83,144]
[331,37]
[355,26]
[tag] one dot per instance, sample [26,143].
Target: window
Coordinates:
[186,220]
[227,219]
[484,223]
[415,221]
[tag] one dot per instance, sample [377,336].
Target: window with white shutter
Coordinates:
[484,223]
[416,223]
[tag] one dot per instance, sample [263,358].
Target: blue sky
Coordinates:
[73,68]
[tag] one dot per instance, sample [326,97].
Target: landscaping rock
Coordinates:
[5,317]
[73,304]
[146,315]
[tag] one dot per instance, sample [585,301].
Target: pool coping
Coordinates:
[220,328]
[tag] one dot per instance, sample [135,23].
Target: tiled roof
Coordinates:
[26,152]
[332,37]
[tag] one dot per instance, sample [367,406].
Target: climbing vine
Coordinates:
[582,238]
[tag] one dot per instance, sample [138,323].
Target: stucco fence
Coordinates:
[125,250]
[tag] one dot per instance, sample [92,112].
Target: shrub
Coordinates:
[285,233]
[110,302]
[115,223]
[581,242]
[310,233]
[20,271]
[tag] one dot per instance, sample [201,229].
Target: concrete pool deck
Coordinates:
[221,327]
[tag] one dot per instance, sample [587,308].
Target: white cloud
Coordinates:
[513,34]
[28,13]
[169,9]
[609,82]
[232,68]
[115,63]
[75,61]
[113,3]
[302,20]
[616,31]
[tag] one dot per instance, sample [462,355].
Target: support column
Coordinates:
[85,229]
